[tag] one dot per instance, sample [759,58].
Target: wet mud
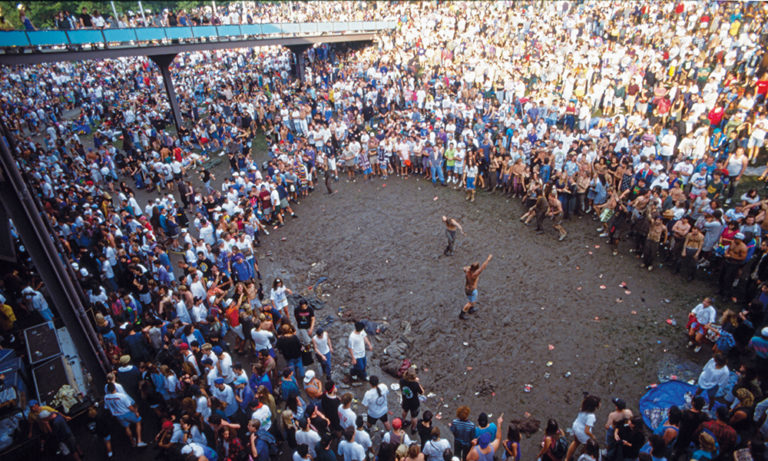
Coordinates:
[555,319]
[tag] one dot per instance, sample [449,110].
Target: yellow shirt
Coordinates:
[7,317]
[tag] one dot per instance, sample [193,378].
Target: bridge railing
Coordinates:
[146,36]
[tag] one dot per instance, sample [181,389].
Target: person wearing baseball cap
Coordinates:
[313,387]
[487,445]
[224,365]
[619,414]
[397,435]
[224,393]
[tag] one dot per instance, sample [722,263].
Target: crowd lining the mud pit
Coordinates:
[641,116]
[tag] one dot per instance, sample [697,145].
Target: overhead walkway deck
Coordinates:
[162,44]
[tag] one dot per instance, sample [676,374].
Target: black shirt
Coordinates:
[410,390]
[304,317]
[289,346]
[330,407]
[688,425]
[86,20]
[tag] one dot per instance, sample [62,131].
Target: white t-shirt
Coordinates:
[347,417]
[351,451]
[261,339]
[433,450]
[264,415]
[583,420]
[364,439]
[357,344]
[310,439]
[376,401]
[711,376]
[704,315]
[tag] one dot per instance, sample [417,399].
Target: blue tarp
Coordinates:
[655,404]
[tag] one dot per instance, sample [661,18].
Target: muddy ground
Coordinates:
[543,318]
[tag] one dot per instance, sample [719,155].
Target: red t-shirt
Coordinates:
[762,87]
[716,115]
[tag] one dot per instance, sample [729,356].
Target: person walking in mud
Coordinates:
[327,165]
[471,274]
[556,211]
[451,226]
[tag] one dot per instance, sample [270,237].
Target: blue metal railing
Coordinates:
[133,36]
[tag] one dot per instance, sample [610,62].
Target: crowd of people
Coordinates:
[224,14]
[644,116]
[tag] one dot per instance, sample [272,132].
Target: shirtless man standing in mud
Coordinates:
[471,274]
[451,226]
[556,212]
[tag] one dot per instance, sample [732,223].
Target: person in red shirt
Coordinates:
[761,88]
[715,116]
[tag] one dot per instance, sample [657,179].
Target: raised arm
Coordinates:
[484,265]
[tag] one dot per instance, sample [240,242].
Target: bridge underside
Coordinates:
[24,57]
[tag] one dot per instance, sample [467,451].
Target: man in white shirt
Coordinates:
[349,449]
[713,376]
[356,344]
[224,364]
[701,317]
[226,395]
[307,436]
[122,407]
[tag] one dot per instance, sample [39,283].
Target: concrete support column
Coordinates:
[164,61]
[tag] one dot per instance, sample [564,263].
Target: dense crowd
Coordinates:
[643,116]
[228,13]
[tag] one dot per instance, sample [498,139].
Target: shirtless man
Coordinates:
[451,226]
[556,211]
[471,274]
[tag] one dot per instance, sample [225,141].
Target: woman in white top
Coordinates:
[582,426]
[375,399]
[279,297]
[323,350]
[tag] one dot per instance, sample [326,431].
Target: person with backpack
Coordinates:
[555,445]
[435,448]
[261,444]
[397,435]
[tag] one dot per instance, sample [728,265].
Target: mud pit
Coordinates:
[380,244]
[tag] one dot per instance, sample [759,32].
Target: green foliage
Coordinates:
[43,13]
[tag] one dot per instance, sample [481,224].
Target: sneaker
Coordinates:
[562,237]
[600,229]
[472,310]
[697,349]
[650,268]
[463,315]
[690,344]
[603,235]
[141,445]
